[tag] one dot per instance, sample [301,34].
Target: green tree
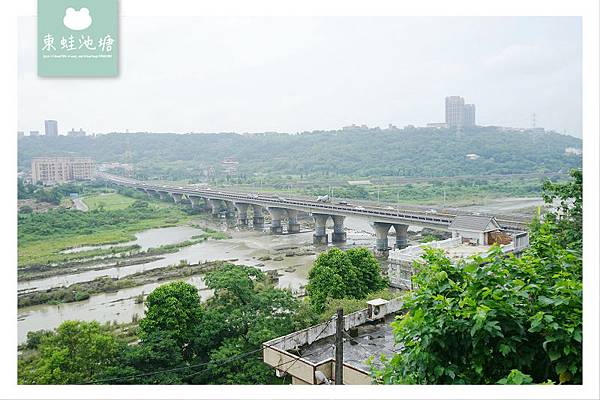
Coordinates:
[245,311]
[495,320]
[174,309]
[77,353]
[567,220]
[368,270]
[25,209]
[337,274]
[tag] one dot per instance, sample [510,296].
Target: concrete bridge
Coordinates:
[284,210]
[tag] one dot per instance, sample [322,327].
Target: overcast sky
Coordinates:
[192,74]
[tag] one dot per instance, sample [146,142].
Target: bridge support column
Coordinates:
[320,235]
[242,213]
[381,233]
[215,206]
[401,235]
[176,197]
[162,195]
[339,233]
[293,225]
[194,200]
[277,215]
[258,220]
[230,207]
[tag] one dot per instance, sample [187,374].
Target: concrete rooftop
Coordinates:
[373,339]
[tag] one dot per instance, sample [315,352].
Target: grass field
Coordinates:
[90,228]
[110,201]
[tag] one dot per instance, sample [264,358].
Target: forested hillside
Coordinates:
[406,152]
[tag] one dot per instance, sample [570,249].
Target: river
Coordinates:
[245,246]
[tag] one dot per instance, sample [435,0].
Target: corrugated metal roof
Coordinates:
[473,222]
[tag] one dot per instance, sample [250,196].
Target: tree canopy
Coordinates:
[498,319]
[357,153]
[338,274]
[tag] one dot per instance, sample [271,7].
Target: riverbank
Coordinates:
[83,291]
[43,238]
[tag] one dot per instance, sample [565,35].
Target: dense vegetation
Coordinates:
[181,339]
[406,152]
[350,274]
[42,236]
[499,320]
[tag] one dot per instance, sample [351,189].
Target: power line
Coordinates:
[214,364]
[172,369]
[306,355]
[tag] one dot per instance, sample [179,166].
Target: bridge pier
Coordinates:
[258,220]
[401,235]
[339,233]
[194,200]
[215,206]
[230,207]
[277,215]
[176,197]
[293,225]
[320,235]
[162,195]
[242,213]
[381,233]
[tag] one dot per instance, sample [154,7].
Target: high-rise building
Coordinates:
[459,114]
[455,111]
[469,115]
[51,127]
[51,170]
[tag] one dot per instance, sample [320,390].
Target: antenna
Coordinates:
[533,120]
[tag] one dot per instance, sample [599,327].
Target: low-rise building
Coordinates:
[471,236]
[52,170]
[74,133]
[308,355]
[474,228]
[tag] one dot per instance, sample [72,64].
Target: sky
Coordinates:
[294,74]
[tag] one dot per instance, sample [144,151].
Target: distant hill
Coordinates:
[405,152]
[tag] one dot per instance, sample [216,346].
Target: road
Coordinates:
[80,205]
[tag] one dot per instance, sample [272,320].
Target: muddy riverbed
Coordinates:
[247,247]
[291,255]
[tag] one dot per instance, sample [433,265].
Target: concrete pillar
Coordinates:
[339,233]
[277,215]
[381,233]
[215,206]
[194,200]
[401,235]
[242,213]
[320,235]
[230,207]
[258,220]
[176,197]
[162,195]
[293,225]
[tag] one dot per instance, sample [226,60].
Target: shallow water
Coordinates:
[246,246]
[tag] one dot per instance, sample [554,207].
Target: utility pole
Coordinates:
[339,347]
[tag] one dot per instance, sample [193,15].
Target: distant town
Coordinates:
[458,115]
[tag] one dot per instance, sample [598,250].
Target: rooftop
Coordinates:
[372,340]
[474,223]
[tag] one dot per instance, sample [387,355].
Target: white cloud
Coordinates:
[77,20]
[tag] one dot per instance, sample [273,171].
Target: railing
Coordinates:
[414,216]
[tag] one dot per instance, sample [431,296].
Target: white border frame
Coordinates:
[588,9]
